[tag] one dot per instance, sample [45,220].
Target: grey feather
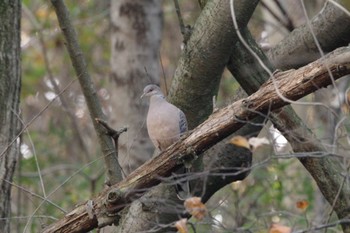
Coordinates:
[165,122]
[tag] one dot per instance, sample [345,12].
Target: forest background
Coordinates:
[60,156]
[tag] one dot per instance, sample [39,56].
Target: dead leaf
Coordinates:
[181,225]
[195,207]
[302,205]
[240,141]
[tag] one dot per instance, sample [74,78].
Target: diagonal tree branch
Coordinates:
[293,84]
[114,173]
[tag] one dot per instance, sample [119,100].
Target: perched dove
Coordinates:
[165,122]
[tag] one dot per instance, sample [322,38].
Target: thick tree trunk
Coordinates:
[136,34]
[10,83]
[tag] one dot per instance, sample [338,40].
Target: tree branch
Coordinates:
[332,30]
[293,85]
[114,173]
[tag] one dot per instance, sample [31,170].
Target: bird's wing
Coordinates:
[182,122]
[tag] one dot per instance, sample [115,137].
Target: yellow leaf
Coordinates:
[195,207]
[240,141]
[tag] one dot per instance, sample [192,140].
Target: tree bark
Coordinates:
[292,84]
[10,85]
[136,35]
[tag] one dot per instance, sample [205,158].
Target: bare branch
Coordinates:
[185,30]
[114,173]
[114,134]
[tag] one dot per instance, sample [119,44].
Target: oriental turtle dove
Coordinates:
[165,122]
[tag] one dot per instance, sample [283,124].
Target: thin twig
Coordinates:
[45,199]
[34,153]
[164,77]
[75,128]
[35,117]
[325,226]
[179,17]
[337,196]
[185,30]
[110,131]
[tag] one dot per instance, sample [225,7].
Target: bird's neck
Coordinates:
[157,98]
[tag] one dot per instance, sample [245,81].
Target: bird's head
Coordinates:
[151,90]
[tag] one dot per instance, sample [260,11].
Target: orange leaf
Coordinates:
[195,207]
[181,225]
[277,228]
[302,205]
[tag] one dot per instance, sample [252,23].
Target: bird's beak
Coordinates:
[142,95]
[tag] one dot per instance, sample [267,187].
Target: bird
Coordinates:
[166,123]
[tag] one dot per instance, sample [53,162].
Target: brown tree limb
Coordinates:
[113,170]
[293,84]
